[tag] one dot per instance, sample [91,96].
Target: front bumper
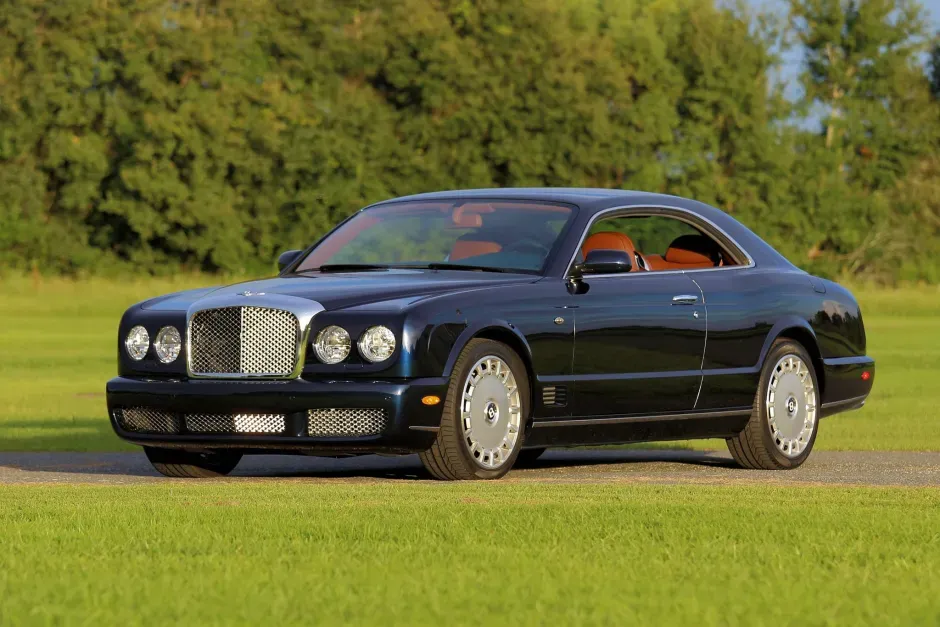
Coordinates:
[411,426]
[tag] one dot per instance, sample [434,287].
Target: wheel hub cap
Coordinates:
[490,412]
[791,405]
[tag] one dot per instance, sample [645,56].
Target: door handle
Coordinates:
[684,299]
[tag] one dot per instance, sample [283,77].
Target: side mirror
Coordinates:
[605,261]
[287,258]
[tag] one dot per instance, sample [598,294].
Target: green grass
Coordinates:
[285,552]
[57,339]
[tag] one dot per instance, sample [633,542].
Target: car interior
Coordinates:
[688,251]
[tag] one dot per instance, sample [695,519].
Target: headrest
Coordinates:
[608,240]
[468,216]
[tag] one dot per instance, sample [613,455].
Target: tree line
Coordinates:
[157,136]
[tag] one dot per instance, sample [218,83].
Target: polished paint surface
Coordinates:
[636,356]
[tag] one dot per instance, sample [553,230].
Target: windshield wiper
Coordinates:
[462,266]
[364,267]
[349,267]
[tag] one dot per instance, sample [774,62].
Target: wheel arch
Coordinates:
[799,331]
[497,331]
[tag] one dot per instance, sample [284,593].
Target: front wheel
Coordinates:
[177,463]
[784,422]
[483,420]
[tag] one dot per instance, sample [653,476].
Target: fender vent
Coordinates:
[555,396]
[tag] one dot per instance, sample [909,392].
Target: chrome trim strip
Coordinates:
[725,413]
[303,309]
[615,376]
[639,210]
[423,428]
[854,360]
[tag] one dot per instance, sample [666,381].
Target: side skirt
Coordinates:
[626,429]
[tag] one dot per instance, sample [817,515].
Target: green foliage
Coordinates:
[161,135]
[878,137]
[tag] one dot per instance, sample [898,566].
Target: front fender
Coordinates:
[501,329]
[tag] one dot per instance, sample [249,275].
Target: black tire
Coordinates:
[755,447]
[528,456]
[186,464]
[449,458]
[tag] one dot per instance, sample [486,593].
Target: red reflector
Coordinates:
[866,376]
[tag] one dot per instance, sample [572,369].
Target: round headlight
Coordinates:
[377,344]
[332,345]
[137,343]
[167,345]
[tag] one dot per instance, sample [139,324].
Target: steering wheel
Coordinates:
[641,262]
[527,243]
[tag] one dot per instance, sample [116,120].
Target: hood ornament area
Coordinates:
[250,293]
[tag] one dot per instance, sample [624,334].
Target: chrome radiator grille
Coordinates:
[235,423]
[146,420]
[243,341]
[340,422]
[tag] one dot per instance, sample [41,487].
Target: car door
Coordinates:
[639,342]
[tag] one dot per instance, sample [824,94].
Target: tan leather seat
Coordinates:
[687,252]
[464,248]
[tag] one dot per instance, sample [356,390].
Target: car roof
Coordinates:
[587,198]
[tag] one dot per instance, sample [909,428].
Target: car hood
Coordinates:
[398,288]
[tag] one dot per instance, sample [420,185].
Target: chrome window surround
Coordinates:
[678,213]
[303,309]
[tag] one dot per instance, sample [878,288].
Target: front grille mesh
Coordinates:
[243,340]
[146,420]
[333,422]
[340,422]
[235,423]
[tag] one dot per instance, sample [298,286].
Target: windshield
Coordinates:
[492,235]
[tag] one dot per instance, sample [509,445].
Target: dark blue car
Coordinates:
[479,327]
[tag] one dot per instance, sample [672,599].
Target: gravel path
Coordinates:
[558,466]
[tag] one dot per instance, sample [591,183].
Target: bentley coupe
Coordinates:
[477,328]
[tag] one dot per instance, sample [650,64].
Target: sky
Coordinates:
[934,7]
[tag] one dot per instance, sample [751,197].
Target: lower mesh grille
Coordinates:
[148,420]
[339,422]
[331,422]
[235,423]
[145,420]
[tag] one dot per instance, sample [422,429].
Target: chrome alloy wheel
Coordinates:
[791,405]
[490,412]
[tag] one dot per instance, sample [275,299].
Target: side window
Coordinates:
[660,242]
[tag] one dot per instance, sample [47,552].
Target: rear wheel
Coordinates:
[178,463]
[483,421]
[784,422]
